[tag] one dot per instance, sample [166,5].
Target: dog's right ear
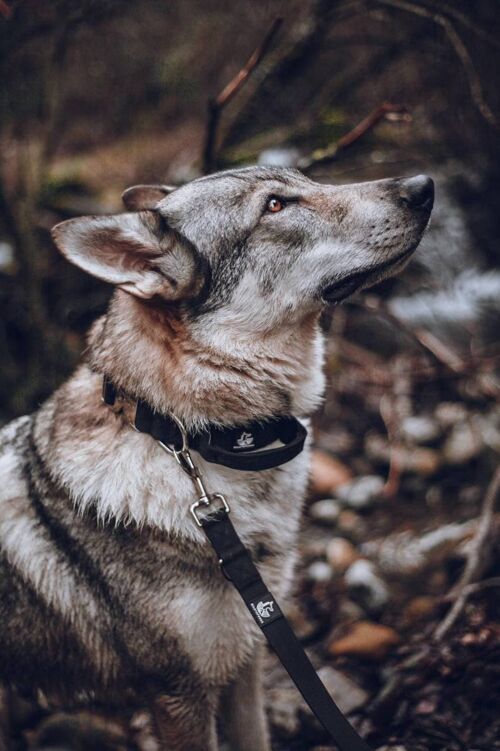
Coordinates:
[137,252]
[142,197]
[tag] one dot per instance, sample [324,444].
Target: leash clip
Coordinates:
[185,461]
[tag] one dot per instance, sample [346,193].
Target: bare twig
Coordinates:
[477,558]
[216,106]
[456,41]
[331,152]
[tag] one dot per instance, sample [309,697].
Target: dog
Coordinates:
[108,587]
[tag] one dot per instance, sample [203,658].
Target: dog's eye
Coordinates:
[274,205]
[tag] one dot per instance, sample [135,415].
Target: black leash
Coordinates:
[211,513]
[238,566]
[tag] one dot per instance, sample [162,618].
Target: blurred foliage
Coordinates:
[98,95]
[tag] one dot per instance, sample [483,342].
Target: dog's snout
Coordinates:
[417,192]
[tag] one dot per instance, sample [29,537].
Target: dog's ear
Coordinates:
[141,197]
[137,252]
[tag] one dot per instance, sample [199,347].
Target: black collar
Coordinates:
[239,447]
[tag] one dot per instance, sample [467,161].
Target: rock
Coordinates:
[301,624]
[405,554]
[343,690]
[422,461]
[419,609]
[420,429]
[327,473]
[463,444]
[287,708]
[340,554]
[449,413]
[366,586]
[349,611]
[319,571]
[325,512]
[419,459]
[366,639]
[391,748]
[350,523]
[361,492]
[284,156]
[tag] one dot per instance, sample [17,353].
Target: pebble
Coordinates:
[419,609]
[326,511]
[463,444]
[350,523]
[340,554]
[361,492]
[420,429]
[449,413]
[319,571]
[391,748]
[287,708]
[327,473]
[366,639]
[343,690]
[366,586]
[420,460]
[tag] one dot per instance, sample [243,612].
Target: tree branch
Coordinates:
[217,105]
[461,51]
[331,152]
[477,559]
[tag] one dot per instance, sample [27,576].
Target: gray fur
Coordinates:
[108,589]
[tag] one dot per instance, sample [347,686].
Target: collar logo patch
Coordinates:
[245,441]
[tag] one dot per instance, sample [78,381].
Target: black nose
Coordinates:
[417,192]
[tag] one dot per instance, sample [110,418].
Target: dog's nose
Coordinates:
[417,192]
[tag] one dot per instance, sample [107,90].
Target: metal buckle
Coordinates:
[208,502]
[185,461]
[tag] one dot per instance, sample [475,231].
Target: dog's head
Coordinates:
[257,247]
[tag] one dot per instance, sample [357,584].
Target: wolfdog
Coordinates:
[108,587]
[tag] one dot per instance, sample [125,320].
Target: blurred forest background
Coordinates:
[400,562]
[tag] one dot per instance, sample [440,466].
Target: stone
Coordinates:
[340,554]
[419,609]
[463,444]
[361,492]
[366,586]
[327,473]
[420,429]
[319,571]
[366,639]
[287,709]
[325,512]
[420,460]
[350,523]
[448,414]
[343,690]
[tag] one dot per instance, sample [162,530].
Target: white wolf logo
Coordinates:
[245,441]
[265,609]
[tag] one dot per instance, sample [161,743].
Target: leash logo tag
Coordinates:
[245,441]
[265,610]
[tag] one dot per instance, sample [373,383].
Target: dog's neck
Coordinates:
[178,365]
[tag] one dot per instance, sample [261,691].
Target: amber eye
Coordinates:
[274,205]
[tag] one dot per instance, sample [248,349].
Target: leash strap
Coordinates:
[239,568]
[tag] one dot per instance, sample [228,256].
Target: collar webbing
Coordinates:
[243,447]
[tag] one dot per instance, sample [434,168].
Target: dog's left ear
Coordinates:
[141,197]
[137,252]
